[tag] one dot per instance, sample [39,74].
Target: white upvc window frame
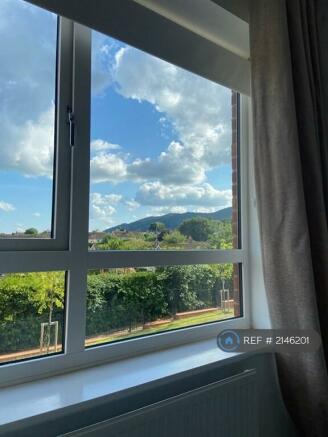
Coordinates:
[77,260]
[62,155]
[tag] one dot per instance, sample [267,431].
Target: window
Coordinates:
[30,143]
[143,197]
[31,314]
[162,155]
[128,302]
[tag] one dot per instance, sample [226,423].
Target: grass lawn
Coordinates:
[174,324]
[124,334]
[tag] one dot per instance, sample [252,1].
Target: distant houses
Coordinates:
[24,235]
[96,238]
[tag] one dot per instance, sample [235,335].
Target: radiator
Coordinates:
[226,408]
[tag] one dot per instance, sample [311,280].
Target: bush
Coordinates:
[25,302]
[24,333]
[31,231]
[157,227]
[174,237]
[123,300]
[198,228]
[116,300]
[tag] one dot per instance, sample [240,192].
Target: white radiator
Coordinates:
[226,408]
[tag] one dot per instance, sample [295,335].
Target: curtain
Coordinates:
[289,58]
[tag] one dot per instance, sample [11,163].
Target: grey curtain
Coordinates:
[289,56]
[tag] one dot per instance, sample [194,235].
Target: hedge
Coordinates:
[115,300]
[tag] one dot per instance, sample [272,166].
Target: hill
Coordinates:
[171,220]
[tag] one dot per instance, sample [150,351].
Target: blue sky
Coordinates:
[160,136]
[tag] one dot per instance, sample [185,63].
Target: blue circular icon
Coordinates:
[228,341]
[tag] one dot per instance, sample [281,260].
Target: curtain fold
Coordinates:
[289,59]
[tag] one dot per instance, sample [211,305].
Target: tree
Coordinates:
[198,228]
[180,296]
[222,237]
[26,299]
[142,297]
[157,227]
[174,237]
[224,272]
[31,231]
[22,294]
[49,291]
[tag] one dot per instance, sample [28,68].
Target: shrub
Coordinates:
[198,228]
[174,237]
[31,231]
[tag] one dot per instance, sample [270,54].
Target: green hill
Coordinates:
[172,220]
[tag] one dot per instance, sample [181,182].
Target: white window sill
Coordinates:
[49,395]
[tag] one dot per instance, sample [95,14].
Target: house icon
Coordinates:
[228,341]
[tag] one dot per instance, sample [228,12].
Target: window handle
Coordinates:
[71,122]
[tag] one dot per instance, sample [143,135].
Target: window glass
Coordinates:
[31,314]
[28,45]
[163,154]
[128,302]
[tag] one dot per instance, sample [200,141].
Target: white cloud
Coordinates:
[103,50]
[27,88]
[36,214]
[107,167]
[101,206]
[100,145]
[113,198]
[169,209]
[176,165]
[132,204]
[34,151]
[205,195]
[207,209]
[6,207]
[178,209]
[199,109]
[29,148]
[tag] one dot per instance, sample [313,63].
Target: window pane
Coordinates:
[129,302]
[163,154]
[28,45]
[31,314]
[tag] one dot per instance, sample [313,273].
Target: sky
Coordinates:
[160,135]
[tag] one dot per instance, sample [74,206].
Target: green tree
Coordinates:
[222,236]
[224,271]
[198,228]
[109,242]
[174,237]
[202,283]
[157,227]
[31,231]
[180,296]
[49,291]
[26,300]
[23,294]
[142,296]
